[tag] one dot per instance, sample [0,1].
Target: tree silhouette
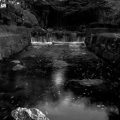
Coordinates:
[103,10]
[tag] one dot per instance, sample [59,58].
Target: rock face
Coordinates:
[29,19]
[28,114]
[105,44]
[12,40]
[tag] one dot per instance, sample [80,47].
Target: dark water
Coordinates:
[64,82]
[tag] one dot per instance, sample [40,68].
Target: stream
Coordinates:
[65,82]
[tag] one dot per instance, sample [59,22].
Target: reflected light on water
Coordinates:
[58,77]
[66,109]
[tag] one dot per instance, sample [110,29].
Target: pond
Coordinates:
[65,82]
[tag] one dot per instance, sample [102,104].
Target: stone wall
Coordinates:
[13,40]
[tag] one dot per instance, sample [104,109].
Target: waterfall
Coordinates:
[58,37]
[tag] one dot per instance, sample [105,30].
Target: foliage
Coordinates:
[105,10]
[14,13]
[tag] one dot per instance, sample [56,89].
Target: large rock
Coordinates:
[88,82]
[105,44]
[29,19]
[13,40]
[28,114]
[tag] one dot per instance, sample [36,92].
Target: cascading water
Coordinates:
[58,37]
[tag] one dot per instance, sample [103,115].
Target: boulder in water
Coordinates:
[28,114]
[91,82]
[18,67]
[88,82]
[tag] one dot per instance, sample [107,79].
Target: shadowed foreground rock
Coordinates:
[28,114]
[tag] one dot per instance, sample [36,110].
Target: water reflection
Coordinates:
[69,109]
[59,87]
[58,77]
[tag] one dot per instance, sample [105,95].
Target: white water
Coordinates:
[45,42]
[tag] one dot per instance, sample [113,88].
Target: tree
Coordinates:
[101,9]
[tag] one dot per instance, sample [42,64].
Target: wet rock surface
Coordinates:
[28,114]
[89,82]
